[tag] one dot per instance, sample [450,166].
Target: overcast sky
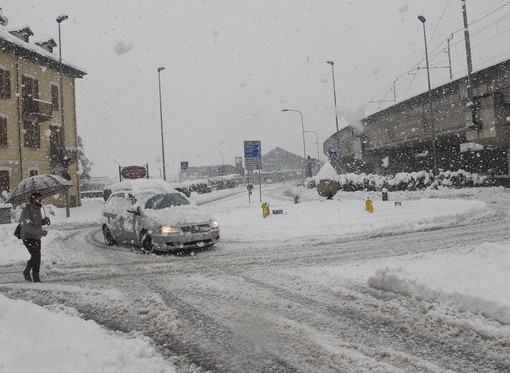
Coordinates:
[233,65]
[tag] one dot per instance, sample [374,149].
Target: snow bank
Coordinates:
[470,279]
[331,219]
[31,335]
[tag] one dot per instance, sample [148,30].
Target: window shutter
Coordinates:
[3,131]
[7,78]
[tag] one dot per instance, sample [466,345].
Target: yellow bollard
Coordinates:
[369,206]
[265,210]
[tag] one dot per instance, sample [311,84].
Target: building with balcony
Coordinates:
[32,139]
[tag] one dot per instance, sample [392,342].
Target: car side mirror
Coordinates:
[134,210]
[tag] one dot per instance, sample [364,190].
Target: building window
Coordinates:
[32,135]
[4,181]
[56,150]
[3,131]
[5,84]
[54,97]
[33,173]
[29,91]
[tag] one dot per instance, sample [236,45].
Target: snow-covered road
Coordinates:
[245,307]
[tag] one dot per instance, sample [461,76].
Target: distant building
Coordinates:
[97,183]
[277,165]
[205,172]
[31,139]
[281,160]
[280,165]
[475,138]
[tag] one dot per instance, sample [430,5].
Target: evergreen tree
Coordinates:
[85,164]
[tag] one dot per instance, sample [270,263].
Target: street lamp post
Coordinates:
[222,169]
[332,63]
[161,119]
[64,160]
[316,142]
[434,151]
[221,153]
[303,131]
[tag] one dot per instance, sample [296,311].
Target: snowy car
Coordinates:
[152,215]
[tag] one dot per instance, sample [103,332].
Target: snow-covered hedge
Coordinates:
[401,181]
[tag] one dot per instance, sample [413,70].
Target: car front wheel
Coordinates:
[108,238]
[146,243]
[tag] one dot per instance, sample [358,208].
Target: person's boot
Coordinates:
[35,276]
[26,273]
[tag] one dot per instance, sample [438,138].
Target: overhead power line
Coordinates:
[438,50]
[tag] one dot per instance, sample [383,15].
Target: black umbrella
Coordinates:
[47,185]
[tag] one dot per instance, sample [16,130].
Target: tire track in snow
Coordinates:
[403,344]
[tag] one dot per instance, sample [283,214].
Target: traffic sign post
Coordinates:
[184,167]
[253,161]
[252,155]
[332,154]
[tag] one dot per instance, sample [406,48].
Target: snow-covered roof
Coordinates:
[7,38]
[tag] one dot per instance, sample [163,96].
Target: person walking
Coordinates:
[31,232]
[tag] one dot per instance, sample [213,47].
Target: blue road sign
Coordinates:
[184,165]
[252,149]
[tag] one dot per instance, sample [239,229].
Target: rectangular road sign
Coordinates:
[252,149]
[252,164]
[184,165]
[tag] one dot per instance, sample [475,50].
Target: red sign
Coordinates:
[133,172]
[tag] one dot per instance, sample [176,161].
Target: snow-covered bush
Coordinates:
[200,188]
[310,183]
[402,181]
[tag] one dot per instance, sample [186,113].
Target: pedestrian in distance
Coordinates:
[31,232]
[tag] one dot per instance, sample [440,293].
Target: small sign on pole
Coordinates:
[253,159]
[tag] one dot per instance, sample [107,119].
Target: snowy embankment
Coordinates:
[470,279]
[327,220]
[35,339]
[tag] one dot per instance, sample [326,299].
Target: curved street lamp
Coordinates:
[161,118]
[316,141]
[303,131]
[432,126]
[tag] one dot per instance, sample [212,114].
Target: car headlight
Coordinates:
[214,224]
[170,229]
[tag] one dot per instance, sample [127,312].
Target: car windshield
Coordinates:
[162,201]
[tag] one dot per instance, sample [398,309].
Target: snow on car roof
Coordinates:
[143,186]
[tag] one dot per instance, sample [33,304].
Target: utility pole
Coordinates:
[447,51]
[471,105]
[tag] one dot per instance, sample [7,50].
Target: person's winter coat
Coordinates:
[31,222]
